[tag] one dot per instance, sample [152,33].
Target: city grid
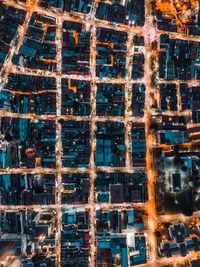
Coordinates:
[97,122]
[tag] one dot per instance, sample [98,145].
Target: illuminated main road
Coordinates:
[150,139]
